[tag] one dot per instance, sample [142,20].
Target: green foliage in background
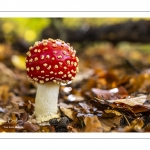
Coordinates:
[27,28]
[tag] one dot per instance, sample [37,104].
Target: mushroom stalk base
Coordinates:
[46,102]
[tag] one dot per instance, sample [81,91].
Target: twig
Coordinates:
[126,119]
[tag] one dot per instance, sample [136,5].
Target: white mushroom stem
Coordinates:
[46,102]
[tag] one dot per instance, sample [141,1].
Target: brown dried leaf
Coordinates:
[27,106]
[100,104]
[113,112]
[24,117]
[2,121]
[11,111]
[47,129]
[31,127]
[71,129]
[136,125]
[132,83]
[92,124]
[108,123]
[147,128]
[132,109]
[130,105]
[140,109]
[68,112]
[114,93]
[13,117]
[52,129]
[15,100]
[90,83]
[7,76]
[61,104]
[4,93]
[131,101]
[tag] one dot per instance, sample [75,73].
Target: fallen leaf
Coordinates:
[4,94]
[90,83]
[132,83]
[136,125]
[132,101]
[140,108]
[61,104]
[100,104]
[71,129]
[92,124]
[147,128]
[2,121]
[47,129]
[113,112]
[7,76]
[31,127]
[11,111]
[109,123]
[110,94]
[68,112]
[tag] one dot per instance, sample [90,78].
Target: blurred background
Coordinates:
[90,36]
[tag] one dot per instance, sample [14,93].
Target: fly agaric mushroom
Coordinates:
[49,63]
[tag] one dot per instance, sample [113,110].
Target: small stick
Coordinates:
[126,120]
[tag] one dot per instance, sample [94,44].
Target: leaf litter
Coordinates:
[107,95]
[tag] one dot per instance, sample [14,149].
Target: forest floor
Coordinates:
[109,94]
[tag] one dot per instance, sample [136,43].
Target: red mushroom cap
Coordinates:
[51,61]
